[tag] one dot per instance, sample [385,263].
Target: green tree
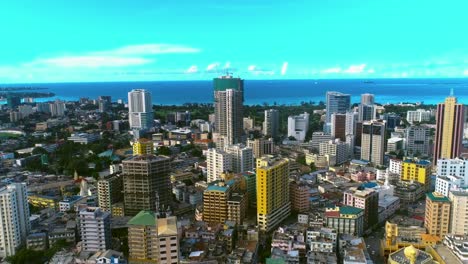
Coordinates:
[163,150]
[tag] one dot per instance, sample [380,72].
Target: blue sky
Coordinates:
[89,40]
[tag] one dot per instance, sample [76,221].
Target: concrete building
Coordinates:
[146,183]
[237,208]
[57,108]
[417,170]
[273,205]
[394,144]
[418,140]
[248,124]
[109,191]
[95,229]
[298,126]
[218,162]
[459,213]
[14,218]
[445,184]
[143,146]
[84,138]
[271,123]
[153,240]
[366,199]
[367,98]
[300,194]
[261,146]
[453,167]
[450,118]
[395,166]
[367,112]
[437,218]
[373,141]
[418,116]
[319,137]
[335,148]
[140,109]
[242,158]
[215,202]
[345,219]
[392,120]
[229,108]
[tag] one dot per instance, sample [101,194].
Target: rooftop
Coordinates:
[418,162]
[167,226]
[146,218]
[437,197]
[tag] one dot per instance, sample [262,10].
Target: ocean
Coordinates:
[288,92]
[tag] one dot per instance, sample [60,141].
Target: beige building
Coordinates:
[437,218]
[109,192]
[459,215]
[215,202]
[261,146]
[152,240]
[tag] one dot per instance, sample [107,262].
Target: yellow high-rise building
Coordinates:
[143,146]
[418,171]
[273,204]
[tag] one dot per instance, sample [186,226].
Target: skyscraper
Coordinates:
[338,126]
[449,129]
[273,204]
[140,109]
[242,159]
[95,229]
[366,112]
[418,140]
[271,123]
[14,218]
[368,99]
[337,103]
[437,218]
[459,214]
[373,141]
[218,162]
[229,108]
[147,184]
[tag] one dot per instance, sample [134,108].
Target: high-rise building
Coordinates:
[242,159]
[449,129]
[418,116]
[143,146]
[25,110]
[229,108]
[237,208]
[14,218]
[57,108]
[147,184]
[335,148]
[218,162]
[261,146]
[13,101]
[437,218]
[367,112]
[373,141]
[392,120]
[109,191]
[271,123]
[319,137]
[367,99]
[418,140]
[300,195]
[215,202]
[105,98]
[273,205]
[338,126]
[153,240]
[351,120]
[459,213]
[453,167]
[365,199]
[140,109]
[417,170]
[298,126]
[95,229]
[337,103]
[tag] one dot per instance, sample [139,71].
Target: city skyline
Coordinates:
[265,40]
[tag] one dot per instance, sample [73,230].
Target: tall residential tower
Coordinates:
[140,109]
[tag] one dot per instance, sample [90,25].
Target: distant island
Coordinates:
[24,92]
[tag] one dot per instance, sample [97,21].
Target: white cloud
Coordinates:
[284,68]
[227,65]
[149,49]
[192,69]
[92,61]
[355,69]
[331,70]
[465,72]
[255,70]
[370,71]
[213,66]
[252,68]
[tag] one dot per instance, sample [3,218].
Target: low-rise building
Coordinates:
[345,219]
[84,138]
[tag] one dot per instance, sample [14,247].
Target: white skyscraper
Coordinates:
[14,218]
[218,161]
[242,159]
[298,126]
[140,109]
[57,108]
[271,123]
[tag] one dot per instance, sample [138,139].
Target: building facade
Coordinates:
[373,141]
[95,229]
[218,162]
[271,123]
[298,126]
[140,109]
[437,218]
[418,140]
[365,199]
[417,170]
